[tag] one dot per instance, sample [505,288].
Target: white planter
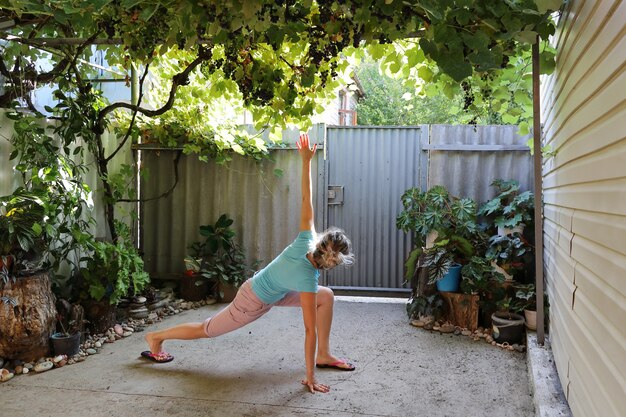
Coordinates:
[430,238]
[503,231]
[507,276]
[531,319]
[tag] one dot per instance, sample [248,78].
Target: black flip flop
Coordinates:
[337,365]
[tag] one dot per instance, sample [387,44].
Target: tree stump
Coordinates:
[100,315]
[25,328]
[461,309]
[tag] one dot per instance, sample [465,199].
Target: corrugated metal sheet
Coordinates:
[265,208]
[469,172]
[375,165]
[585,120]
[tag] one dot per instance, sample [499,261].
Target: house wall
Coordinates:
[584,118]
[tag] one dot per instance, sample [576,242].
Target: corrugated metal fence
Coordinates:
[375,164]
[266,208]
[466,159]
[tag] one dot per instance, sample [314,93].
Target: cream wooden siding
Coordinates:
[584,117]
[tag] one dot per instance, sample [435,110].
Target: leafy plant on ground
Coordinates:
[219,257]
[423,306]
[113,270]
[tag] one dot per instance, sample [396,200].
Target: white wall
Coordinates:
[584,117]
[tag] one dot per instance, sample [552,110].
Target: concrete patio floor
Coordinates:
[255,371]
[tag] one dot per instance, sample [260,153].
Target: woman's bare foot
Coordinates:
[155,345]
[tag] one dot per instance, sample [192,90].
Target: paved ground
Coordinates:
[255,371]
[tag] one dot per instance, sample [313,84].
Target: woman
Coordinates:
[289,280]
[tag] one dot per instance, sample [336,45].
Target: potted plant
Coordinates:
[25,284]
[526,302]
[481,280]
[111,271]
[193,286]
[222,260]
[67,340]
[458,236]
[510,255]
[510,209]
[507,326]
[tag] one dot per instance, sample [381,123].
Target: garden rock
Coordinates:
[447,328]
[5,375]
[43,366]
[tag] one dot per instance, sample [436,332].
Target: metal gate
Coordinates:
[367,171]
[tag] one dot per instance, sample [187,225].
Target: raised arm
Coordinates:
[307,217]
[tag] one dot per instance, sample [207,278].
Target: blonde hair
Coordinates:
[333,248]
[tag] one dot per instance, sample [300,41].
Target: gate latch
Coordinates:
[335,195]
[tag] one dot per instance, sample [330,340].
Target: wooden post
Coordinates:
[538,193]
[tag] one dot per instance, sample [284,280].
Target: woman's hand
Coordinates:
[306,152]
[314,386]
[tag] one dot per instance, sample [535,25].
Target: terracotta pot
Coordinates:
[193,287]
[531,319]
[227,292]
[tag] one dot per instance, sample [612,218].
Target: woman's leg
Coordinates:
[325,304]
[245,308]
[186,331]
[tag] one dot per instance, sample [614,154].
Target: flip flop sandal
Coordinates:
[339,365]
[161,357]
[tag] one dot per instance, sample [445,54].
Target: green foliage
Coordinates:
[219,257]
[389,102]
[479,277]
[491,95]
[113,269]
[422,306]
[458,237]
[506,250]
[280,58]
[436,210]
[509,208]
[525,298]
[46,219]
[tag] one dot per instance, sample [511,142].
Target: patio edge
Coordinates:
[545,385]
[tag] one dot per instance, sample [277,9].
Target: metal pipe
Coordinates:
[538,194]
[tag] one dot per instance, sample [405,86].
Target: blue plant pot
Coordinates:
[450,281]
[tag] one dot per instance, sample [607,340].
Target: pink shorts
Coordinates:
[245,308]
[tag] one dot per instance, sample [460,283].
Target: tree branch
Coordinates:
[132,120]
[177,80]
[166,193]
